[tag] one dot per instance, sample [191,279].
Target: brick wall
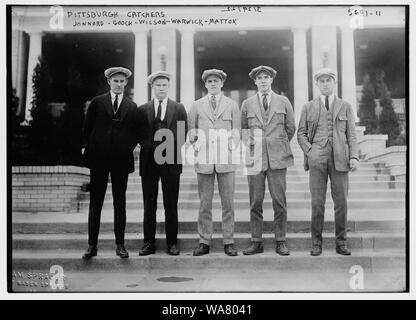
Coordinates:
[47,188]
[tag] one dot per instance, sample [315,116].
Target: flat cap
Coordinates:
[253,73]
[158,74]
[325,72]
[214,72]
[112,71]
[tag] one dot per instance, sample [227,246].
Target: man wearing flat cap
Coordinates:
[167,123]
[327,137]
[113,127]
[211,117]
[271,115]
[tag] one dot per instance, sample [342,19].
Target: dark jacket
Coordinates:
[176,118]
[110,139]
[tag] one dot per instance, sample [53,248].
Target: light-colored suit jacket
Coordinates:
[214,135]
[344,136]
[276,133]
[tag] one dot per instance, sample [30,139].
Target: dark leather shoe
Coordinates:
[201,250]
[90,252]
[121,251]
[147,249]
[343,250]
[256,247]
[282,249]
[173,250]
[229,250]
[316,250]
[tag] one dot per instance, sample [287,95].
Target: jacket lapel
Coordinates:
[256,108]
[207,109]
[150,113]
[316,114]
[108,105]
[169,112]
[123,109]
[222,106]
[337,106]
[274,107]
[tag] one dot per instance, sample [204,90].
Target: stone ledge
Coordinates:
[50,188]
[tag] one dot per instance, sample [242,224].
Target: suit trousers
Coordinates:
[226,183]
[170,189]
[98,187]
[321,165]
[277,186]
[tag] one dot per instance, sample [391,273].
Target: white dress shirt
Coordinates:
[119,98]
[164,106]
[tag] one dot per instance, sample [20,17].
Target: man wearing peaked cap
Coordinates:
[163,115]
[209,117]
[325,71]
[253,73]
[327,137]
[157,75]
[214,72]
[271,115]
[113,127]
[114,70]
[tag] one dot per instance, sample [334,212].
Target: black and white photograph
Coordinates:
[215,148]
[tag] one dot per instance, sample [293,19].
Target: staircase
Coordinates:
[376,237]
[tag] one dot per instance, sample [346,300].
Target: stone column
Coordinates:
[35,51]
[300,70]
[140,67]
[187,88]
[324,51]
[164,55]
[349,88]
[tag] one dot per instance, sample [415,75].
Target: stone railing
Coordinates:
[372,147]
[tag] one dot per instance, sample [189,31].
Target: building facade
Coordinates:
[185,40]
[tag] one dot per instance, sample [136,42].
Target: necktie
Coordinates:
[115,104]
[327,102]
[265,104]
[159,110]
[213,102]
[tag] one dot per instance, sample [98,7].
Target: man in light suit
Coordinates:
[272,114]
[113,127]
[163,115]
[327,137]
[210,117]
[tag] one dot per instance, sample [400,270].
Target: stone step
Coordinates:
[296,171]
[187,242]
[192,178]
[244,203]
[371,260]
[211,280]
[298,185]
[79,224]
[295,195]
[298,166]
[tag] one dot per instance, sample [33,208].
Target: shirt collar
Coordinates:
[269,94]
[113,96]
[331,98]
[217,96]
[164,101]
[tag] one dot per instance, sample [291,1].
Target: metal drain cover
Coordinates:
[174,279]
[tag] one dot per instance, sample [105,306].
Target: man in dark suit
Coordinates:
[160,158]
[113,127]
[327,137]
